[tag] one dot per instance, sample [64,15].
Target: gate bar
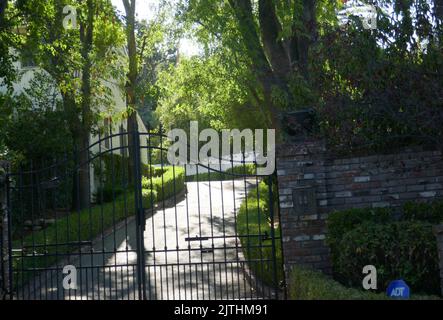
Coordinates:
[274,255]
[5,258]
[140,215]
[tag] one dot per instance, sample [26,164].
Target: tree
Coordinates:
[131,84]
[206,90]
[78,60]
[382,89]
[34,126]
[157,43]
[87,41]
[275,36]
[8,39]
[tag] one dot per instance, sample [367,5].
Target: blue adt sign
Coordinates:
[398,289]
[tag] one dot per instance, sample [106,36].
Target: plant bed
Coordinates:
[307,284]
[252,219]
[400,244]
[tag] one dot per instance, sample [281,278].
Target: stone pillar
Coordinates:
[438,231]
[4,227]
[303,201]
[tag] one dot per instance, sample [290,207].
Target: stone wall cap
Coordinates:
[305,147]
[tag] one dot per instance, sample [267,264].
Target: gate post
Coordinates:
[301,175]
[5,261]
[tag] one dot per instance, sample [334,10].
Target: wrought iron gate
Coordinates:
[149,230]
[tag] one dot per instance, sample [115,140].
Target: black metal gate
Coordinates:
[149,230]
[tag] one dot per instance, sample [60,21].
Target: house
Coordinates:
[27,71]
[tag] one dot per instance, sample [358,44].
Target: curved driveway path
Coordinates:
[191,252]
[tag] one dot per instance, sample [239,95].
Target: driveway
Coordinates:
[191,252]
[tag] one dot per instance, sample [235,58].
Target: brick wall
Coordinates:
[313,183]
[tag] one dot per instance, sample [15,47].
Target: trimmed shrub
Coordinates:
[171,182]
[341,222]
[400,250]
[112,171]
[253,218]
[111,167]
[400,246]
[148,170]
[420,211]
[229,174]
[306,284]
[107,193]
[149,198]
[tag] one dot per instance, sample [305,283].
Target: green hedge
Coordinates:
[112,170]
[165,186]
[400,244]
[340,222]
[306,284]
[429,212]
[253,218]
[248,169]
[399,250]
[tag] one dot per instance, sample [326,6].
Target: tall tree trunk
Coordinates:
[86,37]
[74,123]
[306,37]
[270,29]
[273,60]
[265,74]
[132,80]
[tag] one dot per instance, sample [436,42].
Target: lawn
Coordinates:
[253,219]
[51,244]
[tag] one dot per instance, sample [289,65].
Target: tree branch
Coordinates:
[271,35]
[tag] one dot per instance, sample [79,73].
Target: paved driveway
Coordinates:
[191,252]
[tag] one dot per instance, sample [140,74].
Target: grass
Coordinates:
[253,219]
[229,174]
[88,224]
[306,284]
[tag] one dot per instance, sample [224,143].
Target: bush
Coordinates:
[149,198]
[306,284]
[111,169]
[253,218]
[107,193]
[341,222]
[148,171]
[229,174]
[400,250]
[165,186]
[430,212]
[400,246]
